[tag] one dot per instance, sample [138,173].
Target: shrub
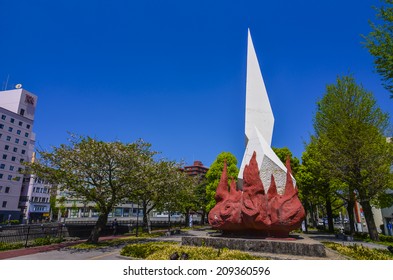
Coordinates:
[386,238]
[163,250]
[10,246]
[46,241]
[360,252]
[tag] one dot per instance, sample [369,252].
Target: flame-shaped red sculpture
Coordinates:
[254,211]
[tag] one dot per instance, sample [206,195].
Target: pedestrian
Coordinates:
[114,227]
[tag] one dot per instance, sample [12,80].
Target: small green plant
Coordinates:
[163,250]
[10,246]
[360,252]
[45,241]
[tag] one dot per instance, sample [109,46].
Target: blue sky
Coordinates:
[174,72]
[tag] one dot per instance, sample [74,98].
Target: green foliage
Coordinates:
[45,241]
[360,252]
[380,44]
[351,146]
[10,246]
[142,251]
[162,251]
[283,153]
[11,222]
[214,174]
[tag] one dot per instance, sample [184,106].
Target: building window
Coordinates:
[27,134]
[10,129]
[23,152]
[12,120]
[2,166]
[9,177]
[18,132]
[13,158]
[16,140]
[7,189]
[1,135]
[8,138]
[6,147]
[15,149]
[3,117]
[20,123]
[4,156]
[4,204]
[24,143]
[1,175]
[28,126]
[21,160]
[22,112]
[12,168]
[1,126]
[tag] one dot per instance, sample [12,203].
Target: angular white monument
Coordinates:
[259,126]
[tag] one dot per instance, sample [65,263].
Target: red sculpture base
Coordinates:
[252,210]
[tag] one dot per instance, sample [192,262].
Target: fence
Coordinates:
[72,229]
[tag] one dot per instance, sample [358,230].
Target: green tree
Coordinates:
[283,153]
[380,44]
[93,171]
[314,185]
[350,129]
[214,174]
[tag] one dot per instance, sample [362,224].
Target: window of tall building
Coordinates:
[1,126]
[4,156]
[7,189]
[18,132]
[15,149]
[20,123]
[4,204]
[9,177]
[22,112]
[12,120]
[6,147]
[28,126]
[1,135]
[10,129]
[23,152]
[27,134]
[21,160]
[12,168]
[24,143]
[13,158]
[16,140]
[3,117]
[8,138]
[1,175]
[2,166]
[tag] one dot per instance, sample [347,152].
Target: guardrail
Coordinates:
[73,229]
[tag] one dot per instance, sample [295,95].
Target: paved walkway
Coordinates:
[63,252]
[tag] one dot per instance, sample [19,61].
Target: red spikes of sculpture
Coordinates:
[251,210]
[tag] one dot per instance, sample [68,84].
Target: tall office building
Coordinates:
[17,108]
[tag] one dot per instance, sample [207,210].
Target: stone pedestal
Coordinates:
[295,246]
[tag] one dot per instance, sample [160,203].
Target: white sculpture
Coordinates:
[259,126]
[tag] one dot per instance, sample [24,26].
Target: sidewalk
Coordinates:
[39,249]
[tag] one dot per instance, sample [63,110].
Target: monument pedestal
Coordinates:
[295,245]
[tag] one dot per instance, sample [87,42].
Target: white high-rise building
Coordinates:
[17,108]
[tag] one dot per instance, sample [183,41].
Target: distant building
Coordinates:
[17,108]
[197,169]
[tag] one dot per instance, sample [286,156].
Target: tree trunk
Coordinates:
[368,214]
[187,215]
[329,214]
[145,220]
[350,206]
[100,224]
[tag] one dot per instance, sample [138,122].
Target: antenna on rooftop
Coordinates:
[6,82]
